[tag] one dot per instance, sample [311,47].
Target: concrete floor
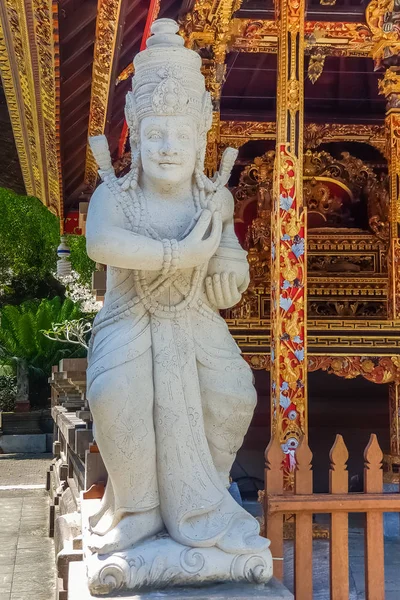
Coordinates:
[23,469]
[27,567]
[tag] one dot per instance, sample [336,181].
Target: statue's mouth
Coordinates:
[169,164]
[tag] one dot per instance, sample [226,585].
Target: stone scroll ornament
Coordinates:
[170,394]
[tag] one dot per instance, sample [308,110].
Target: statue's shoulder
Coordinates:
[101,194]
[104,202]
[104,197]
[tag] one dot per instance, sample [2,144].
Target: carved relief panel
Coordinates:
[348,235]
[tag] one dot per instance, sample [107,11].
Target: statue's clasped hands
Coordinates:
[222,290]
[195,249]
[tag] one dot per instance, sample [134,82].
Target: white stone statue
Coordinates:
[170,394]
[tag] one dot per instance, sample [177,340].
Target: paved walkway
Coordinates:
[27,568]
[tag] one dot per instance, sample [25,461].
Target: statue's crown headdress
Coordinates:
[168,80]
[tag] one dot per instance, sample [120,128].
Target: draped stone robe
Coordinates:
[183,402]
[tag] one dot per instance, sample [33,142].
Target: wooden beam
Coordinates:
[327,503]
[78,20]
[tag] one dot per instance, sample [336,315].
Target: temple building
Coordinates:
[308,91]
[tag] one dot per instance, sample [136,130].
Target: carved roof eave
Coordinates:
[201,25]
[108,31]
[29,67]
[237,133]
[330,38]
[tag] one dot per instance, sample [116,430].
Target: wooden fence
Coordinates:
[338,503]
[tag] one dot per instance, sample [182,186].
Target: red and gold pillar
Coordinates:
[391,462]
[389,86]
[288,236]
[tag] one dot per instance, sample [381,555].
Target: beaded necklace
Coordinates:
[133,204]
[148,293]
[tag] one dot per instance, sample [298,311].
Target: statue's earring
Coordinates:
[135,164]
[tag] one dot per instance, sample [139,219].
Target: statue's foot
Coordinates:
[128,532]
[241,540]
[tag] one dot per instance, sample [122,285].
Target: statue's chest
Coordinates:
[170,220]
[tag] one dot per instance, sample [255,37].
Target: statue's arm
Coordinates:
[109,243]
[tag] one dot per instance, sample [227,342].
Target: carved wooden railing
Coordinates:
[338,503]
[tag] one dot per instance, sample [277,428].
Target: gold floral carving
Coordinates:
[390,83]
[258,362]
[377,370]
[106,36]
[395,280]
[125,73]
[249,35]
[16,111]
[379,208]
[14,24]
[315,66]
[338,38]
[383,19]
[197,20]
[238,133]
[353,34]
[30,70]
[211,158]
[45,19]
[209,24]
[350,309]
[293,95]
[316,134]
[394,412]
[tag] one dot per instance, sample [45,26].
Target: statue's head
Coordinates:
[168,111]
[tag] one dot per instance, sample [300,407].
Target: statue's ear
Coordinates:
[131,117]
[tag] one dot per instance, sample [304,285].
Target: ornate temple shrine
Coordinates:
[308,91]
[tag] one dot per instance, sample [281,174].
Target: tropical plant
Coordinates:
[29,236]
[23,345]
[75,331]
[80,262]
[81,293]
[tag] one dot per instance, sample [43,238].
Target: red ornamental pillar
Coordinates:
[289,247]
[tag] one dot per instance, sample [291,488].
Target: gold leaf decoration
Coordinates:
[315,67]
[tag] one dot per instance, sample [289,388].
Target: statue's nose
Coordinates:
[168,148]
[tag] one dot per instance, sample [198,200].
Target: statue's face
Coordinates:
[168,148]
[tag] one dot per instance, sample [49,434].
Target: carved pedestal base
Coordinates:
[273,590]
[161,562]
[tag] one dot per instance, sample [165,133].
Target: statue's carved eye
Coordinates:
[154,135]
[183,136]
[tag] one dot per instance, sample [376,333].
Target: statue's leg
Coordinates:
[229,399]
[121,402]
